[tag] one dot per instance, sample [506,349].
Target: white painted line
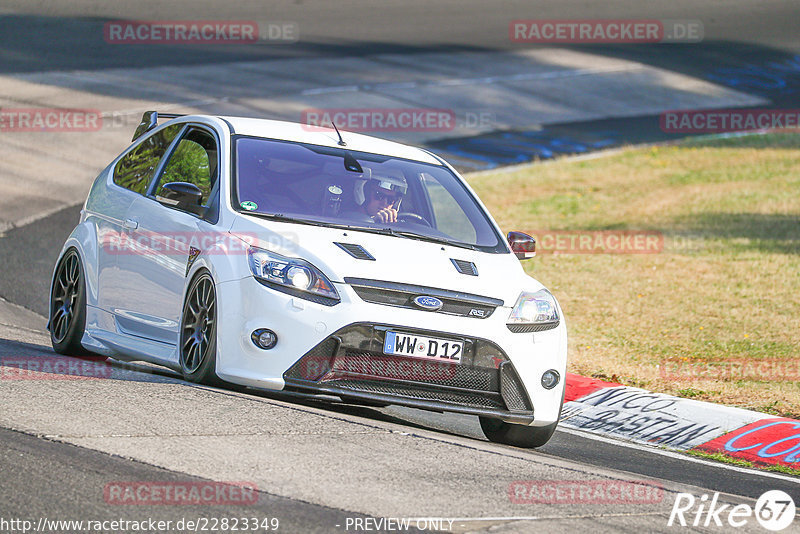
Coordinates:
[677,455]
[485,80]
[6,226]
[549,75]
[531,518]
[324,90]
[394,85]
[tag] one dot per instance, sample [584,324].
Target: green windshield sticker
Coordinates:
[248,205]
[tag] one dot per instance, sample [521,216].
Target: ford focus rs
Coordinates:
[283,257]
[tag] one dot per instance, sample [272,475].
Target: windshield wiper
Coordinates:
[284,218]
[369,229]
[408,235]
[432,239]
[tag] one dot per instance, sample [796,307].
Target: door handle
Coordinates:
[130,224]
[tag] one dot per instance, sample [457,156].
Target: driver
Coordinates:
[379,195]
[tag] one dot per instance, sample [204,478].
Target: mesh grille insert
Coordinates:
[417,370]
[352,360]
[524,328]
[465,267]
[357,251]
[407,390]
[511,389]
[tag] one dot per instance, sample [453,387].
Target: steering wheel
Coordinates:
[403,215]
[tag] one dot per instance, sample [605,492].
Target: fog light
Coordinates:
[550,379]
[264,339]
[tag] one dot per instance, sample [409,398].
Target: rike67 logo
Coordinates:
[774,510]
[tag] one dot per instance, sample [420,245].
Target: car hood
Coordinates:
[397,259]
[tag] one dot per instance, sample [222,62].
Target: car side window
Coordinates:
[136,169]
[194,160]
[450,217]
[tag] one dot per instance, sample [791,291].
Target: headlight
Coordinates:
[291,275]
[534,309]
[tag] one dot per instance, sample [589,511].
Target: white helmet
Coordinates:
[387,179]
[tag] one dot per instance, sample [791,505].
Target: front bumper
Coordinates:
[245,305]
[350,363]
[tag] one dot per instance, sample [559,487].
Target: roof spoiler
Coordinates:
[150,121]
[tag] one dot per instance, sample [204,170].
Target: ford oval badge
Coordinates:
[428,303]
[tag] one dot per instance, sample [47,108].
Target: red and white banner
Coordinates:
[658,419]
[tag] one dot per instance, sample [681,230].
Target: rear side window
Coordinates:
[194,160]
[136,169]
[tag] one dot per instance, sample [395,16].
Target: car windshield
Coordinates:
[337,187]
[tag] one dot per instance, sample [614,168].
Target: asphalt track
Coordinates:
[747,46]
[67,34]
[34,464]
[49,472]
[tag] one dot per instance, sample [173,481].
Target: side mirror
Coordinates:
[522,245]
[183,196]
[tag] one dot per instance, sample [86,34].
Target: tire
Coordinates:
[527,437]
[68,306]
[198,337]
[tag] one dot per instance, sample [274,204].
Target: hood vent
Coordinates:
[357,251]
[465,267]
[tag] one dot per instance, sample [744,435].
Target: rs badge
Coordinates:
[193,253]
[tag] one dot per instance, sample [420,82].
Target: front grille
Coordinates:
[510,389]
[465,267]
[357,251]
[380,365]
[525,328]
[402,295]
[408,391]
[352,360]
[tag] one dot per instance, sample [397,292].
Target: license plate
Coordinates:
[433,348]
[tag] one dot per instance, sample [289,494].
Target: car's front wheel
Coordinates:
[199,331]
[517,435]
[68,306]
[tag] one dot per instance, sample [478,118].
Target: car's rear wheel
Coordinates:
[199,331]
[68,306]
[517,435]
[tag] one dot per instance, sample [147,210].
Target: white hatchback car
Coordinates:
[284,257]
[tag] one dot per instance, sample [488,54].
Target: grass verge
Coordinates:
[715,314]
[719,457]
